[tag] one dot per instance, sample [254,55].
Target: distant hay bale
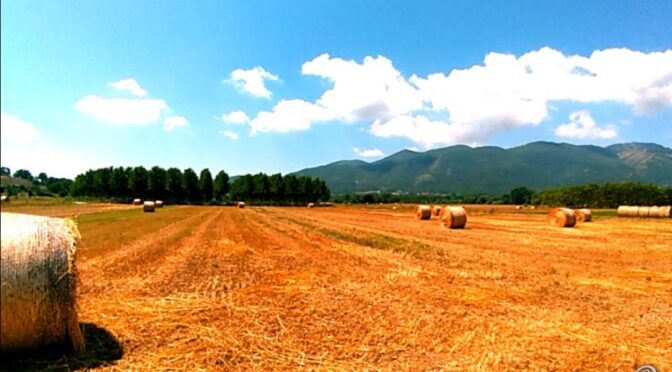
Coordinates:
[38,307]
[240,205]
[519,207]
[423,212]
[665,212]
[583,215]
[533,207]
[158,203]
[137,201]
[562,217]
[148,207]
[643,211]
[311,205]
[627,211]
[4,198]
[436,210]
[454,218]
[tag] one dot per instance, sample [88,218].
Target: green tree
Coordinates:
[242,188]
[190,186]
[23,173]
[157,183]
[205,185]
[43,178]
[137,182]
[521,195]
[101,182]
[174,187]
[5,171]
[291,188]
[276,187]
[221,186]
[119,182]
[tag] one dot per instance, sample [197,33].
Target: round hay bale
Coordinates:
[137,201]
[519,207]
[643,211]
[158,203]
[148,207]
[311,205]
[583,215]
[39,284]
[627,211]
[240,205]
[423,212]
[436,210]
[562,217]
[4,198]
[665,212]
[454,218]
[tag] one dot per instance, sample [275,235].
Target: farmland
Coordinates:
[366,287]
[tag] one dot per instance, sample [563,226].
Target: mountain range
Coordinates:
[495,170]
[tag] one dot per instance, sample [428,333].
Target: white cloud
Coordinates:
[472,104]
[173,122]
[582,125]
[122,110]
[370,153]
[15,130]
[413,148]
[231,134]
[289,115]
[252,81]
[236,117]
[129,85]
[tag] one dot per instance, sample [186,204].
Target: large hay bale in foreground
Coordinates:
[454,218]
[148,207]
[158,203]
[562,217]
[39,284]
[436,210]
[423,212]
[137,201]
[583,215]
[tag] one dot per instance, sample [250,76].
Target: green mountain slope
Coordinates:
[494,170]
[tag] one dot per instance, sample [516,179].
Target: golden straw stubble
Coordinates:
[453,217]
[562,217]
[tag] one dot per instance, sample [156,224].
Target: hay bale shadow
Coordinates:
[101,349]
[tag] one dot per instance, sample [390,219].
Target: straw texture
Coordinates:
[423,212]
[583,215]
[39,284]
[562,217]
[454,218]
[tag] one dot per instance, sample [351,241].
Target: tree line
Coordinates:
[176,187]
[609,195]
[42,185]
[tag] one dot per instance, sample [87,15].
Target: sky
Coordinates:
[278,86]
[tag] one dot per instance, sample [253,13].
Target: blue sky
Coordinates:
[278,86]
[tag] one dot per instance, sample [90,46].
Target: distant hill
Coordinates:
[494,170]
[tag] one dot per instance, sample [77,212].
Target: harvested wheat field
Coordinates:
[217,288]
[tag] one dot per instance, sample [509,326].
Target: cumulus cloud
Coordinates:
[173,122]
[252,81]
[370,153]
[129,85]
[470,105]
[582,125]
[122,110]
[15,130]
[231,134]
[288,116]
[236,117]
